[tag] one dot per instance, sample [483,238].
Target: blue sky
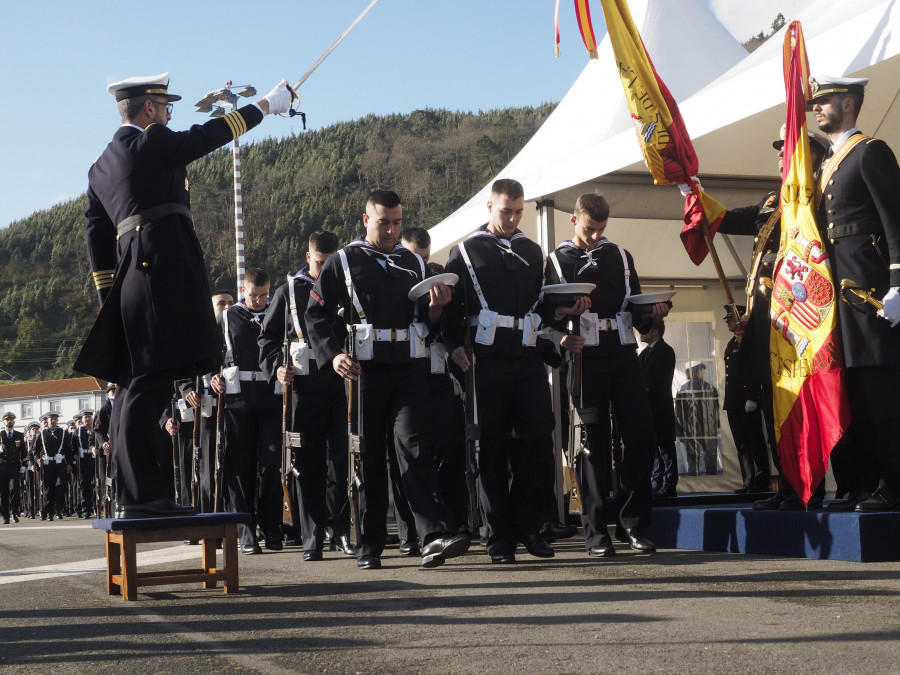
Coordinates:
[58,56]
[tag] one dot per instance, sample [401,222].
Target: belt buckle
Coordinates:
[393,334]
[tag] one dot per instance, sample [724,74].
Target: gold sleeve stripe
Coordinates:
[236,123]
[103,278]
[895,266]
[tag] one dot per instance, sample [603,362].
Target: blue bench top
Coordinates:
[121,524]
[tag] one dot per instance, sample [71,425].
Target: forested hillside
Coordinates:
[435,160]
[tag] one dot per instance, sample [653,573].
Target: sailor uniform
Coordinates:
[368,287]
[13,456]
[54,448]
[319,411]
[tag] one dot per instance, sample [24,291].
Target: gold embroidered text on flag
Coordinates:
[810,407]
[665,143]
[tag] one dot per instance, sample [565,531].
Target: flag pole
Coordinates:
[714,256]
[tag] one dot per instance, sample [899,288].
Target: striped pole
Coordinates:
[238,218]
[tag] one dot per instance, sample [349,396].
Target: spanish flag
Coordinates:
[665,143]
[810,407]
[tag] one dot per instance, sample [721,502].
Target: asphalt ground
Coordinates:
[673,612]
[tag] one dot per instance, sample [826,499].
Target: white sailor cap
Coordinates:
[9,414]
[824,85]
[814,137]
[142,86]
[86,411]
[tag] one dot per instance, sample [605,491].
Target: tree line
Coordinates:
[435,159]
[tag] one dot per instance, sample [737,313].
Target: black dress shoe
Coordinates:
[664,493]
[503,558]
[274,544]
[410,548]
[552,531]
[850,503]
[6,521]
[369,562]
[343,545]
[537,546]
[442,548]
[295,541]
[604,549]
[769,503]
[15,518]
[158,508]
[882,499]
[794,503]
[250,549]
[310,556]
[638,541]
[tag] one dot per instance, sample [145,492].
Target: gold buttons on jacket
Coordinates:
[145,264]
[137,229]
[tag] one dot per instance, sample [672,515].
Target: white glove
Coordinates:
[279,98]
[891,309]
[750,406]
[22,469]
[686,188]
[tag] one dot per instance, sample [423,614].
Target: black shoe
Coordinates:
[604,549]
[87,516]
[295,541]
[50,518]
[251,549]
[409,548]
[664,493]
[15,519]
[6,521]
[850,503]
[343,545]
[794,503]
[769,504]
[311,556]
[637,540]
[191,542]
[442,548]
[158,508]
[369,562]
[537,546]
[274,544]
[503,558]
[882,499]
[553,530]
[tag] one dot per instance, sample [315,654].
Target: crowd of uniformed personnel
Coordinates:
[374,346]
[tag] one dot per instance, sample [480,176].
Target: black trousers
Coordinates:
[753,457]
[54,486]
[614,382]
[252,470]
[873,393]
[515,474]
[87,480]
[322,418]
[136,441]
[9,490]
[395,401]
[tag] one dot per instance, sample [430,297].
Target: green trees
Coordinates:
[435,160]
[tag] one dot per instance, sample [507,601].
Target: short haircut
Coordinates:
[595,206]
[386,198]
[220,291]
[659,325]
[256,277]
[416,235]
[509,187]
[434,268]
[857,102]
[130,107]
[323,241]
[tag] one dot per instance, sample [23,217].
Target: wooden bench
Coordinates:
[124,534]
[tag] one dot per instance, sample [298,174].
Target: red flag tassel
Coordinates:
[583,12]
[556,21]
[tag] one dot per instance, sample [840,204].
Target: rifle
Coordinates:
[176,464]
[579,418]
[355,444]
[198,450]
[220,447]
[473,435]
[290,440]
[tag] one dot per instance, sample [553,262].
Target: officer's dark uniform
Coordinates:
[13,456]
[511,386]
[394,386]
[611,376]
[83,442]
[859,219]
[54,448]
[101,437]
[746,426]
[657,370]
[152,283]
[319,411]
[252,468]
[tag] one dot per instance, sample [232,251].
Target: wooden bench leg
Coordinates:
[113,564]
[129,566]
[229,548]
[209,559]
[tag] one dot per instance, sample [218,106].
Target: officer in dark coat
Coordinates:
[657,370]
[367,284]
[53,453]
[496,299]
[319,407]
[83,445]
[150,275]
[13,455]
[859,219]
[611,377]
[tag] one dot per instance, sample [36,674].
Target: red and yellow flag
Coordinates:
[665,143]
[810,406]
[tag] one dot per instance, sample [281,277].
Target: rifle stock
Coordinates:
[176,464]
[473,435]
[355,446]
[290,441]
[220,448]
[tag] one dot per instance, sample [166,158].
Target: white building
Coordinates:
[29,400]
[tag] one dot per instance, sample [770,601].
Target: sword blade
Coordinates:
[328,51]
